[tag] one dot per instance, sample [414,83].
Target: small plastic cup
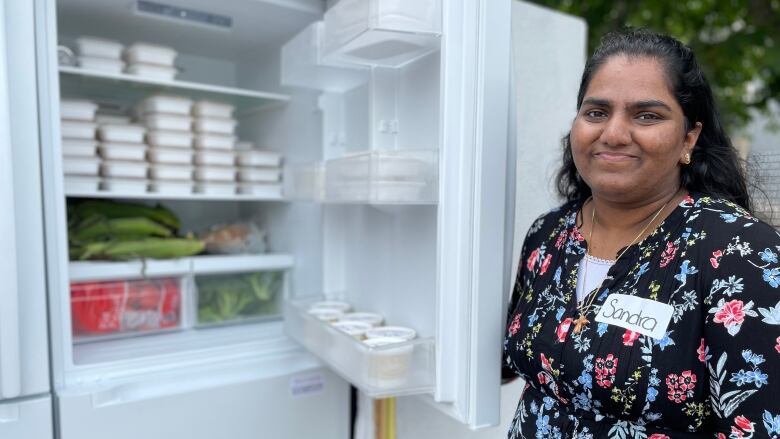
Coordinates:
[332,304]
[399,332]
[326,314]
[355,329]
[388,367]
[371,318]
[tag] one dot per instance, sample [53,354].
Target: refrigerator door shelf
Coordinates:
[386,33]
[404,368]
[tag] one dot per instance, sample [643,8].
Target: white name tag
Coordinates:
[645,316]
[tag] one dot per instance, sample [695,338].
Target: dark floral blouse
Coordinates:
[715,373]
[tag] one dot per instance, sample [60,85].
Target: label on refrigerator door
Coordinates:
[306,385]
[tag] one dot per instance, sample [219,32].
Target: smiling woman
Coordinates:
[648,305]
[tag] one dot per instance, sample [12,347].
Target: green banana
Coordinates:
[118,227]
[154,248]
[112,209]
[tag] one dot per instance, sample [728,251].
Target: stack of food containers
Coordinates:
[170,143]
[100,54]
[79,147]
[214,128]
[124,157]
[259,172]
[151,61]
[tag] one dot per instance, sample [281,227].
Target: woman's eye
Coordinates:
[595,114]
[648,116]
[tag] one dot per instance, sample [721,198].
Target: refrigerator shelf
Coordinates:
[397,369]
[129,89]
[271,193]
[197,265]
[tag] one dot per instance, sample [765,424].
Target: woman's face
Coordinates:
[628,140]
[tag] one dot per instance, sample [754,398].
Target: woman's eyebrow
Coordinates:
[639,105]
[597,102]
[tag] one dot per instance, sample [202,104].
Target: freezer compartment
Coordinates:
[383,177]
[119,308]
[303,64]
[386,33]
[238,297]
[404,368]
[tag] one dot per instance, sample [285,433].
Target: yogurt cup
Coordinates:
[357,330]
[399,332]
[326,314]
[368,317]
[332,304]
[387,367]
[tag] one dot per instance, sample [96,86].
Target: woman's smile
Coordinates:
[614,157]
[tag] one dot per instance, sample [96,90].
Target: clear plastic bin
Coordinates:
[381,32]
[383,177]
[397,369]
[99,47]
[78,109]
[238,297]
[303,64]
[125,307]
[144,53]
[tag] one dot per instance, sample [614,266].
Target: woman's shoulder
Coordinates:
[554,219]
[727,223]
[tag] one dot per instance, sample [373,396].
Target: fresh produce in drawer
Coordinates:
[117,231]
[225,298]
[102,308]
[242,237]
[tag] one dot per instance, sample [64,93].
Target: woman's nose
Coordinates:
[616,132]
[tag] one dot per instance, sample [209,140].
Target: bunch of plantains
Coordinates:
[117,231]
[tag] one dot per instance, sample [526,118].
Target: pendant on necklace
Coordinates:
[580,323]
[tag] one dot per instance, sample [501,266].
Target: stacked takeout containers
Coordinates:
[259,172]
[100,54]
[79,148]
[151,61]
[169,136]
[214,127]
[123,152]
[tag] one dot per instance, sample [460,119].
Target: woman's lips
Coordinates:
[614,156]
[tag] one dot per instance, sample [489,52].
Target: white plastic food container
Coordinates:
[214,141]
[79,148]
[171,187]
[212,109]
[259,175]
[329,315]
[81,166]
[122,151]
[173,156]
[371,318]
[78,109]
[167,122]
[121,133]
[123,169]
[152,71]
[145,53]
[400,332]
[71,129]
[166,104]
[98,47]
[217,158]
[115,119]
[356,330]
[388,367]
[169,139]
[124,185]
[215,173]
[214,125]
[214,188]
[260,190]
[81,184]
[258,158]
[159,171]
[332,304]
[114,66]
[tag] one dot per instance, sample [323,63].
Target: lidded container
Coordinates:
[152,71]
[121,133]
[107,65]
[381,32]
[78,109]
[214,141]
[145,53]
[212,109]
[98,47]
[166,104]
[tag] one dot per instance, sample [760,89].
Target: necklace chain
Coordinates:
[581,319]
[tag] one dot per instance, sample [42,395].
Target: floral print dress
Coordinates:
[715,372]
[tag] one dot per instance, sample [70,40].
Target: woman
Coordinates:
[647,306]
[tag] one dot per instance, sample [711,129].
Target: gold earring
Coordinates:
[687,159]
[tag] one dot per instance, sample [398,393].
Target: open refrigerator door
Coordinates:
[366,146]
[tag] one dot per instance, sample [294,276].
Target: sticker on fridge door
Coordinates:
[306,385]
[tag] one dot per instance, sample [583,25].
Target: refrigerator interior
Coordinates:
[360,136]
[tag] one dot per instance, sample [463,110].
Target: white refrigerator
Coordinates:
[396,195]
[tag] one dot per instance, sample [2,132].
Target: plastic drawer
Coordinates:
[235,298]
[405,368]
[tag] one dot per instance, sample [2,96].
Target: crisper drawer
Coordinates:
[238,297]
[397,369]
[107,309]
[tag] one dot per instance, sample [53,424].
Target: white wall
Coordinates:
[548,55]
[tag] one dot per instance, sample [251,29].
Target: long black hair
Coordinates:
[715,167]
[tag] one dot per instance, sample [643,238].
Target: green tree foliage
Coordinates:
[737,42]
